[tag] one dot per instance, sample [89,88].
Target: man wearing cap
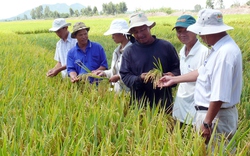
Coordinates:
[85,54]
[60,27]
[141,57]
[192,56]
[119,31]
[219,79]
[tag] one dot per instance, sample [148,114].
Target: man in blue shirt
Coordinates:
[85,54]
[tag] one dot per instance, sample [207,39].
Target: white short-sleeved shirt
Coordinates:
[62,48]
[183,108]
[220,78]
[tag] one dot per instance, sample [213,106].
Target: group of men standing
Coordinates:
[209,77]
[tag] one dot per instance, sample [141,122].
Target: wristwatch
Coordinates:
[206,125]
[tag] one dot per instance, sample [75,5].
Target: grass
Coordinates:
[52,116]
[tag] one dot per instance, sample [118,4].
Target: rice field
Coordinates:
[52,116]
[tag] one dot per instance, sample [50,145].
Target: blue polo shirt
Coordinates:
[92,58]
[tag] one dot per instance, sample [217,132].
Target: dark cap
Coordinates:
[184,21]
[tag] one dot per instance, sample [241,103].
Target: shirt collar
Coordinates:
[219,43]
[129,43]
[193,50]
[69,39]
[88,46]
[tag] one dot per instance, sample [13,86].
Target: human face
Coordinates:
[186,37]
[82,37]
[118,38]
[208,39]
[62,32]
[142,34]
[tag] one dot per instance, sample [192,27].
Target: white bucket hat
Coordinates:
[209,22]
[58,24]
[118,26]
[139,19]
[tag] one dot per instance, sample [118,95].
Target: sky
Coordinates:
[10,8]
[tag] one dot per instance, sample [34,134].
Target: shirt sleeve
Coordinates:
[70,62]
[222,82]
[128,77]
[57,56]
[109,72]
[104,62]
[175,62]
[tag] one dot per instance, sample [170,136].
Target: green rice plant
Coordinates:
[84,77]
[52,116]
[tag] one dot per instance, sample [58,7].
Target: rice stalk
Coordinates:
[84,77]
[154,74]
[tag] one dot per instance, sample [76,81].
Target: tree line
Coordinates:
[107,9]
[112,9]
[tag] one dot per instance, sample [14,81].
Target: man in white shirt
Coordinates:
[219,80]
[192,56]
[60,27]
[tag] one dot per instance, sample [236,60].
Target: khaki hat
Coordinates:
[209,22]
[78,26]
[139,19]
[58,24]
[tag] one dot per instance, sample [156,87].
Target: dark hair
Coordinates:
[131,38]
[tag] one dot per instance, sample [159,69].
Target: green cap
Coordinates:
[184,21]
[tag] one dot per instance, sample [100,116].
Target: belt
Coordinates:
[205,108]
[200,108]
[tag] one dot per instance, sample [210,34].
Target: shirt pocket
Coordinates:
[95,61]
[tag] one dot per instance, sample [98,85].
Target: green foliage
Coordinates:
[210,4]
[52,116]
[163,9]
[248,3]
[88,11]
[197,7]
[221,4]
[71,12]
[236,4]
[112,9]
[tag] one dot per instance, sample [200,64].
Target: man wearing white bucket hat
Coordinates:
[143,56]
[60,27]
[119,31]
[219,79]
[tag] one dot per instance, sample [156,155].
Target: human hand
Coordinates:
[99,72]
[143,75]
[206,133]
[114,78]
[51,73]
[165,81]
[74,79]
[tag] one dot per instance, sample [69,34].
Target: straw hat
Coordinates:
[58,24]
[209,22]
[78,26]
[118,26]
[139,19]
